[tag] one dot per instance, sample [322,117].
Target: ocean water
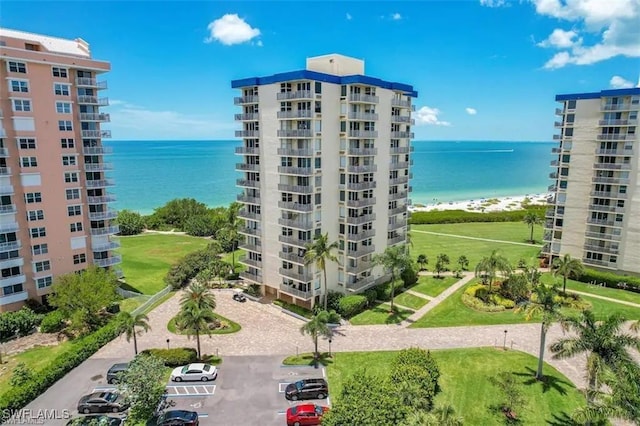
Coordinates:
[150,173]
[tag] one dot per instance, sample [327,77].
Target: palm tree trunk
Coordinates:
[316,355]
[543,338]
[564,284]
[324,304]
[233,257]
[531,239]
[135,342]
[198,340]
[393,289]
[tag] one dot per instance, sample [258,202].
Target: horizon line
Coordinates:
[415,140]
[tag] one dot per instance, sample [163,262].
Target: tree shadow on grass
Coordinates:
[393,316]
[123,285]
[561,419]
[548,382]
[497,410]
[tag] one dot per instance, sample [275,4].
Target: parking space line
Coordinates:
[281,388]
[192,390]
[324,373]
[104,388]
[203,415]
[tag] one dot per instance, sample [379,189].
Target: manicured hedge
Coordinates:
[611,280]
[19,396]
[462,216]
[352,305]
[479,305]
[174,357]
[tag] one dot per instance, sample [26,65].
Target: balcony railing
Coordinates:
[613,137]
[361,284]
[616,122]
[623,152]
[7,209]
[6,189]
[396,225]
[302,224]
[402,135]
[98,167]
[363,116]
[100,183]
[293,152]
[298,171]
[244,150]
[300,294]
[615,180]
[553,175]
[109,245]
[361,203]
[291,273]
[603,222]
[10,246]
[601,249]
[362,151]
[397,210]
[292,257]
[91,82]
[110,261]
[371,168]
[95,134]
[400,150]
[601,263]
[248,116]
[250,276]
[294,241]
[363,134]
[398,165]
[251,247]
[399,180]
[256,232]
[402,119]
[295,133]
[295,206]
[242,100]
[90,116]
[5,171]
[359,220]
[360,186]
[616,107]
[103,199]
[362,235]
[396,240]
[603,236]
[107,230]
[247,133]
[250,262]
[93,100]
[9,227]
[361,251]
[552,188]
[608,194]
[296,189]
[248,183]
[557,137]
[298,94]
[612,166]
[610,209]
[360,267]
[398,195]
[248,167]
[303,113]
[109,214]
[244,214]
[362,98]
[97,150]
[559,111]
[248,199]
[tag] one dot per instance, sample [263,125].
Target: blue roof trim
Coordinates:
[326,78]
[598,95]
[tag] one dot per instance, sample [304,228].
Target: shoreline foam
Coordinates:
[483,205]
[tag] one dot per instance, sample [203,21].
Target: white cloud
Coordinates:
[614,22]
[618,82]
[396,16]
[561,39]
[231,29]
[349,17]
[494,3]
[471,111]
[429,116]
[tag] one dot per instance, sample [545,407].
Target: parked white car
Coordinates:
[199,371]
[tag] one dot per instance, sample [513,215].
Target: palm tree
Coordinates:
[194,321]
[606,346]
[128,325]
[319,252]
[318,326]
[444,415]
[635,326]
[441,263]
[532,219]
[463,262]
[394,260]
[200,296]
[547,305]
[491,265]
[422,261]
[567,267]
[231,231]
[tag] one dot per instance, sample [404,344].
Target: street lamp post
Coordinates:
[167,343]
[329,347]
[504,345]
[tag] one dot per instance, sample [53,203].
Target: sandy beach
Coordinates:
[483,205]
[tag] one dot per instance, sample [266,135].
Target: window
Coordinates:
[65,125]
[74,210]
[69,160]
[44,282]
[318,87]
[27,143]
[67,143]
[38,232]
[35,215]
[11,289]
[63,107]
[33,197]
[61,89]
[71,177]
[79,258]
[38,249]
[59,72]
[73,194]
[19,86]
[76,227]
[28,162]
[31,46]
[45,265]
[21,105]
[20,67]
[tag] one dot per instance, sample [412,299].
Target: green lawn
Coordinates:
[147,258]
[614,293]
[465,385]
[410,301]
[233,326]
[380,315]
[504,231]
[432,286]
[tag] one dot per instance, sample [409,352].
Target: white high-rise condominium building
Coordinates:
[326,150]
[595,211]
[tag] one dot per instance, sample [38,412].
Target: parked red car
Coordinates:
[305,414]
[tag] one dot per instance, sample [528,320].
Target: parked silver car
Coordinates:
[197,371]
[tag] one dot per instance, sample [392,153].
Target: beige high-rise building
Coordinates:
[595,211]
[326,150]
[54,215]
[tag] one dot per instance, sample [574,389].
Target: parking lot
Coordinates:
[248,390]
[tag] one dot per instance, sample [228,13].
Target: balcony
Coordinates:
[294,241]
[615,122]
[601,249]
[95,134]
[4,152]
[292,257]
[295,189]
[98,167]
[303,224]
[617,107]
[553,175]
[293,274]
[398,165]
[292,152]
[361,284]
[396,240]
[401,103]
[248,199]
[362,151]
[8,209]
[559,111]
[612,166]
[6,190]
[363,134]
[109,214]
[244,214]
[5,171]
[91,82]
[362,235]
[550,212]
[396,225]
[559,124]
[608,194]
[361,186]
[243,100]
[257,248]
[397,210]
[615,180]
[250,262]
[554,163]
[361,203]
[109,245]
[360,267]
[552,188]
[371,168]
[96,150]
[303,113]
[622,152]
[249,116]
[296,171]
[608,209]
[603,236]
[603,222]
[10,246]
[98,117]
[247,133]
[248,167]
[359,220]
[107,230]
[251,276]
[100,183]
[297,95]
[248,183]
[398,196]
[399,180]
[557,137]
[103,199]
[295,133]
[256,232]
[613,137]
[363,116]
[362,251]
[13,297]
[295,206]
[400,150]
[92,100]
[110,261]
[244,150]
[600,263]
[362,98]
[300,294]
[402,119]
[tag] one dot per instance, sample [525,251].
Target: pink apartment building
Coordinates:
[54,214]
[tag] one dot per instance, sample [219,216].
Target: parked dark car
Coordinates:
[102,402]
[114,371]
[239,297]
[178,418]
[95,420]
[307,389]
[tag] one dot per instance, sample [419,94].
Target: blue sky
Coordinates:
[484,69]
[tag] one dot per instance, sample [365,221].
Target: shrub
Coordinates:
[611,280]
[417,367]
[479,291]
[200,226]
[497,299]
[19,323]
[174,357]
[37,307]
[131,223]
[352,305]
[21,374]
[299,310]
[253,290]
[371,295]
[479,305]
[188,267]
[409,275]
[52,322]
[333,300]
[383,291]
[461,216]
[516,288]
